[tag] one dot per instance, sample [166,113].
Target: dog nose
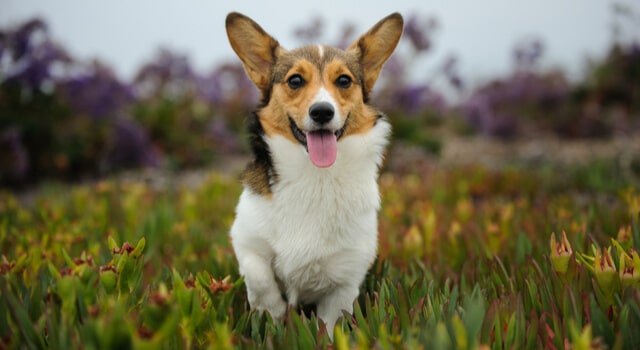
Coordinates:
[321,112]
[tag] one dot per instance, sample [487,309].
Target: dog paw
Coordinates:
[273,303]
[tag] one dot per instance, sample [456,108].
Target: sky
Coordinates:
[482,34]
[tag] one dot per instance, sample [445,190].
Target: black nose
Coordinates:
[321,112]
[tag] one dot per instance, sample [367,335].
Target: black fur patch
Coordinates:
[259,174]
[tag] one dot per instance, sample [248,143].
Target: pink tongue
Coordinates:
[323,147]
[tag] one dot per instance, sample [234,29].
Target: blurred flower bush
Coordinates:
[532,102]
[64,117]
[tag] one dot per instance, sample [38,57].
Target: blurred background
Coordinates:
[90,88]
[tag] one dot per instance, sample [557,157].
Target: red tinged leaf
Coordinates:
[144,332]
[220,286]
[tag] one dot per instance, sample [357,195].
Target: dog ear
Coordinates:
[375,46]
[257,49]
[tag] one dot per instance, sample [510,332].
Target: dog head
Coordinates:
[314,95]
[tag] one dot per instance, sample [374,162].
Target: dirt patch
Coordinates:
[493,153]
[621,152]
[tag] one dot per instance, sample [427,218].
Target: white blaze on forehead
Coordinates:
[323,95]
[320,51]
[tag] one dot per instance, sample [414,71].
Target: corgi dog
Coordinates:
[306,229]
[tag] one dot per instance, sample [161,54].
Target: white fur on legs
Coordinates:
[331,306]
[262,289]
[255,259]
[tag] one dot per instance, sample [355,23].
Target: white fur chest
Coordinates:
[319,228]
[320,224]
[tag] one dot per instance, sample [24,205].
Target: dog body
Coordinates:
[306,223]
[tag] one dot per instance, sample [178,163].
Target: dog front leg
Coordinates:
[330,307]
[262,288]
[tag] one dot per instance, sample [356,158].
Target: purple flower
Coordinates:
[395,67]
[21,40]
[310,32]
[527,54]
[226,141]
[97,93]
[167,75]
[346,36]
[450,70]
[481,112]
[131,146]
[478,111]
[418,30]
[211,88]
[33,69]
[411,99]
[228,86]
[28,56]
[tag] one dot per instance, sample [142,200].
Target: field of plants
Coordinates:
[507,255]
[469,258]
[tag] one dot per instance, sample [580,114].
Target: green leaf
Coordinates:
[513,331]
[108,280]
[601,325]
[139,248]
[453,301]
[523,247]
[441,338]
[24,324]
[67,258]
[112,244]
[363,326]
[340,341]
[473,317]
[182,294]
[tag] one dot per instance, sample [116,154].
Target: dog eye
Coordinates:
[295,81]
[343,81]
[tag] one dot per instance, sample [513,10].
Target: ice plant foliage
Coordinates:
[462,265]
[560,253]
[629,269]
[605,270]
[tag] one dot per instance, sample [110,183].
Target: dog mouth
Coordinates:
[321,144]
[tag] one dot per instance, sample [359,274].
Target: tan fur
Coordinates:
[375,46]
[270,66]
[257,52]
[256,177]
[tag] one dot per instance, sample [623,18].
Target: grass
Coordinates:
[465,263]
